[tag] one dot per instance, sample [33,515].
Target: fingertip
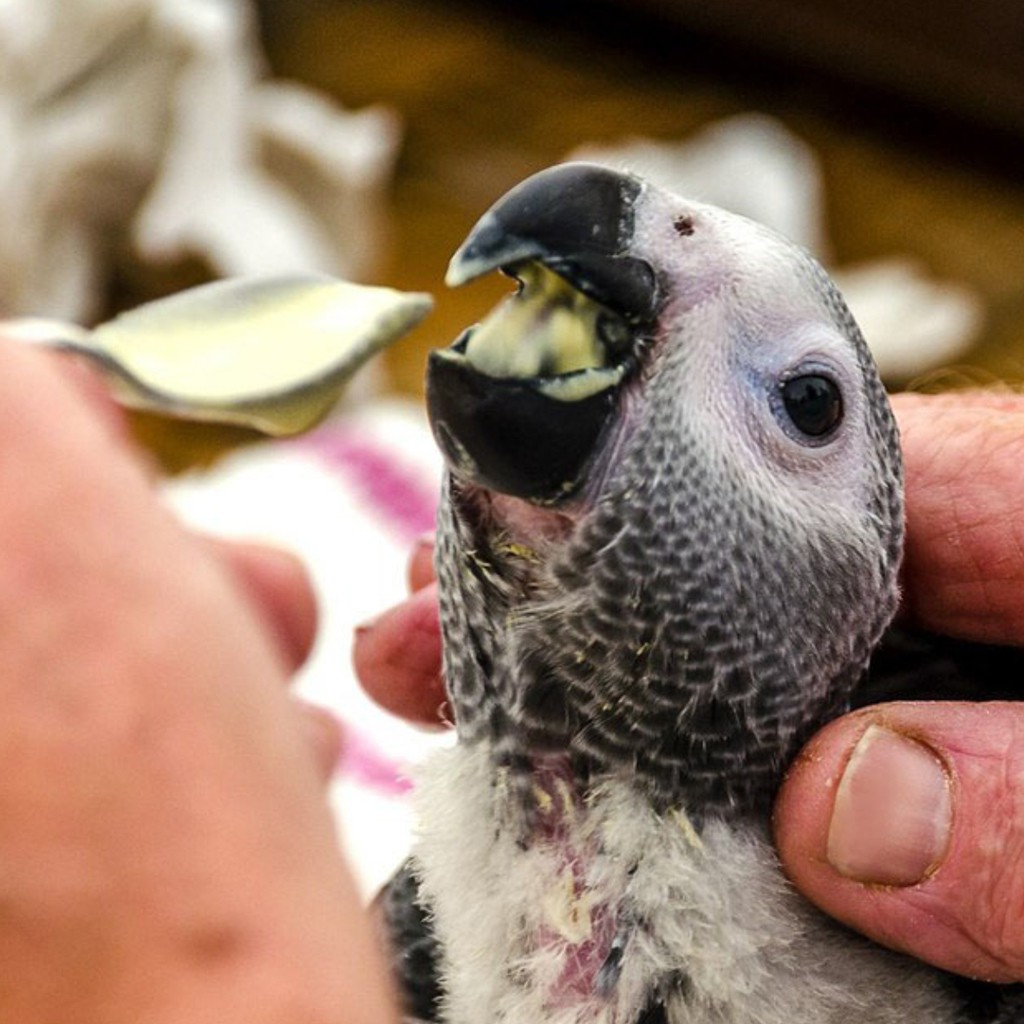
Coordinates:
[803,807]
[886,822]
[397,659]
[807,834]
[421,563]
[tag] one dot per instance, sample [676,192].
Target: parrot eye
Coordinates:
[813,404]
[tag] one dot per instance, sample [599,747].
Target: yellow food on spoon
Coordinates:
[271,354]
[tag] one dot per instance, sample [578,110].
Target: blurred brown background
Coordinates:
[916,111]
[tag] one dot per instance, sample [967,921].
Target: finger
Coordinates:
[963,573]
[277,586]
[421,563]
[906,821]
[397,658]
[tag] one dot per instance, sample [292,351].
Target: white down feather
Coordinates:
[714,907]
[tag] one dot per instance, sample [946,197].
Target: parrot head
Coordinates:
[672,520]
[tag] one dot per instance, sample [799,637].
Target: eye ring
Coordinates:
[812,404]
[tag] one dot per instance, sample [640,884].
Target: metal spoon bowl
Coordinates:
[272,354]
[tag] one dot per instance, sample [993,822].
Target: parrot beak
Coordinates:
[520,403]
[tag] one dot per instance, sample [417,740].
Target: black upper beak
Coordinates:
[506,434]
[576,219]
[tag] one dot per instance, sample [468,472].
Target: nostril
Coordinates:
[684,225]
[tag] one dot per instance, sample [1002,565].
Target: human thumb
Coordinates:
[906,822]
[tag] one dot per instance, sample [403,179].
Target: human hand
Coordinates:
[167,854]
[906,820]
[939,856]
[397,656]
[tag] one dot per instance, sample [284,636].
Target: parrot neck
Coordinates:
[629,645]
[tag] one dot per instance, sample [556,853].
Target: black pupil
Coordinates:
[813,403]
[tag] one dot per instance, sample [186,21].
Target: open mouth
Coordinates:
[521,403]
[566,345]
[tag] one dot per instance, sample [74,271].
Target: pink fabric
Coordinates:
[363,762]
[397,495]
[393,490]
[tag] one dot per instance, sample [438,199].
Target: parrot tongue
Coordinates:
[551,334]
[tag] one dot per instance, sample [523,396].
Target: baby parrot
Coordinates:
[667,546]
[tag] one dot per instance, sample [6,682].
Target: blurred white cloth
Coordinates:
[147,124]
